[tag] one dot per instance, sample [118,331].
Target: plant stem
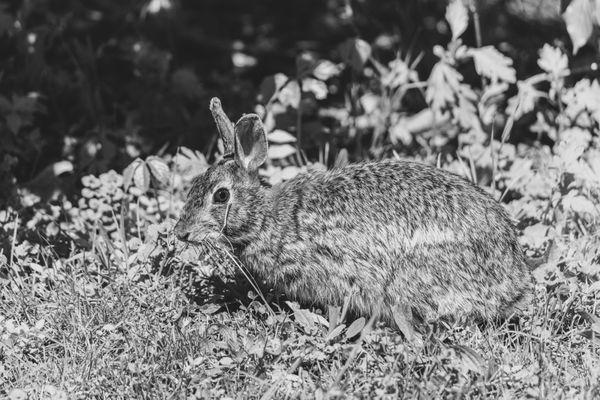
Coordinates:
[299,126]
[478,40]
[473,9]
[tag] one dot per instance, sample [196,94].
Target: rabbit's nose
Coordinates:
[181,233]
[183,236]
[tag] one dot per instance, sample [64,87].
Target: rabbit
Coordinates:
[402,240]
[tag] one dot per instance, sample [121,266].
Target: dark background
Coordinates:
[101,82]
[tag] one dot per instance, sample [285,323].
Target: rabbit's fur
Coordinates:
[390,235]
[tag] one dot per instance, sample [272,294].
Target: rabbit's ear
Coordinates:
[250,142]
[224,126]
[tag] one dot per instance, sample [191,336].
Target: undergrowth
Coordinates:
[98,299]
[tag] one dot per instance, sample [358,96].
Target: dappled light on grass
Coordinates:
[98,298]
[129,310]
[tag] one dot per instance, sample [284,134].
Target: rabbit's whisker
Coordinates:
[247,275]
[225,219]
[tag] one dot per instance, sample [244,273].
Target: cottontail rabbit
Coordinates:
[393,235]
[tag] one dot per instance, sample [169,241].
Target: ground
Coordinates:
[99,300]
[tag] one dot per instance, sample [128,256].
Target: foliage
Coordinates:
[101,83]
[100,300]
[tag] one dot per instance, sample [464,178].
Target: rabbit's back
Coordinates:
[392,233]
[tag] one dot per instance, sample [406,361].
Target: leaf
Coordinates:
[190,162]
[399,133]
[494,92]
[341,160]
[326,70]
[128,172]
[279,151]
[308,320]
[355,53]
[397,74]
[320,320]
[280,136]
[39,324]
[290,171]
[274,346]
[591,335]
[582,100]
[370,102]
[315,86]
[242,60]
[457,17]
[155,6]
[209,308]
[445,85]
[17,394]
[524,101]
[466,115]
[593,288]
[492,96]
[579,204]
[293,305]
[593,159]
[535,235]
[159,169]
[355,328]
[290,95]
[271,85]
[226,361]
[441,84]
[305,63]
[492,64]
[403,319]
[334,314]
[553,60]
[573,144]
[108,327]
[141,177]
[470,361]
[335,332]
[579,17]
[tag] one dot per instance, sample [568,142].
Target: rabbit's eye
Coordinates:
[221,196]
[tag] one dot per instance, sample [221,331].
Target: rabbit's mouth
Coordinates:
[195,233]
[198,238]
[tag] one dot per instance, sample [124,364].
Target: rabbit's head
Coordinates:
[225,202]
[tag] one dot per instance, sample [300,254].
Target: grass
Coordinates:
[87,331]
[116,310]
[96,302]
